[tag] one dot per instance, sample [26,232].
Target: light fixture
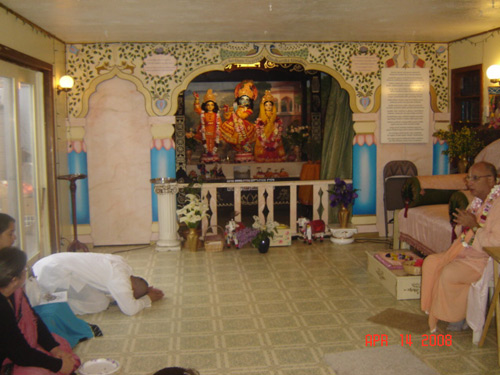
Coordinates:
[65,84]
[493,73]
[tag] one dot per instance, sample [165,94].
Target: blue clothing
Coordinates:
[60,320]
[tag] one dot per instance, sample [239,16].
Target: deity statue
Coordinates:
[268,128]
[209,129]
[236,129]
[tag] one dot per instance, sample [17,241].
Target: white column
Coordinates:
[166,189]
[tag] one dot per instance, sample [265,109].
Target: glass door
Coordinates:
[22,172]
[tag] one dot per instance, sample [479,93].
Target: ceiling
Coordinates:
[79,21]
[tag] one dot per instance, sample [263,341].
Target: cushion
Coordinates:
[445,182]
[415,195]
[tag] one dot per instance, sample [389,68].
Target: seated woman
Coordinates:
[58,317]
[26,345]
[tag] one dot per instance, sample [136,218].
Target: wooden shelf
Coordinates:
[466,96]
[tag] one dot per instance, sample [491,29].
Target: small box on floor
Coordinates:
[283,237]
[396,281]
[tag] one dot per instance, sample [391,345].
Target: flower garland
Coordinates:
[217,132]
[272,142]
[475,205]
[239,126]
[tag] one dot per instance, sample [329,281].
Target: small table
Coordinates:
[493,252]
[75,245]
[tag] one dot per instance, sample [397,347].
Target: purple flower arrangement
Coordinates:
[245,236]
[342,194]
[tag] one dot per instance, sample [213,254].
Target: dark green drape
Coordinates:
[338,133]
[336,157]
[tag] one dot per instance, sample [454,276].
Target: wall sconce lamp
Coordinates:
[65,84]
[493,73]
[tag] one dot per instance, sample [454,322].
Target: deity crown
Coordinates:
[267,97]
[246,88]
[209,96]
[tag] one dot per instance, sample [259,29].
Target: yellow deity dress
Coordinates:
[268,128]
[209,129]
[236,129]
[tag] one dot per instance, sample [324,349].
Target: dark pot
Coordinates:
[264,245]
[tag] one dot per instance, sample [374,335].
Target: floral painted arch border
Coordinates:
[150,108]
[92,64]
[115,72]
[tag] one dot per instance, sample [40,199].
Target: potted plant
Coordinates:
[266,231]
[342,194]
[192,214]
[463,145]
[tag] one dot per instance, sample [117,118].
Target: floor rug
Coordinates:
[385,360]
[408,322]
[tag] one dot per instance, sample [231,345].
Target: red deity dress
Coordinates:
[268,143]
[208,131]
[236,129]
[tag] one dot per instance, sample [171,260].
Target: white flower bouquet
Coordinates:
[265,230]
[193,212]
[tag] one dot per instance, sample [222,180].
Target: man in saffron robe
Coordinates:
[446,277]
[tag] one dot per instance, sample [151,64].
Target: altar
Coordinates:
[242,172]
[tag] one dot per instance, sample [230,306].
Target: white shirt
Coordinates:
[88,278]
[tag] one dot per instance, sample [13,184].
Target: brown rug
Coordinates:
[416,323]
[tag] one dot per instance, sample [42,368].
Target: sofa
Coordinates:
[426,222]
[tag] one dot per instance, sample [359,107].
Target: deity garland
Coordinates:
[236,129]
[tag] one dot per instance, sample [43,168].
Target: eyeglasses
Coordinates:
[475,178]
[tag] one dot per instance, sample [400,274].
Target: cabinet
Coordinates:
[466,96]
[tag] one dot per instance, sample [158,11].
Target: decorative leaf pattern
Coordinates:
[85,62]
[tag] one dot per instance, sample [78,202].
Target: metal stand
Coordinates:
[75,245]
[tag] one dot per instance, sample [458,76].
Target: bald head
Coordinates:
[139,286]
[481,178]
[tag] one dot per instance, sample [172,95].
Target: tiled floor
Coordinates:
[240,312]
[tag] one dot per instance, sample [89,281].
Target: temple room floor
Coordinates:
[240,312]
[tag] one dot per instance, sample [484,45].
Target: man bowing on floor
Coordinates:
[89,278]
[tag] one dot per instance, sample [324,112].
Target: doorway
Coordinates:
[22,155]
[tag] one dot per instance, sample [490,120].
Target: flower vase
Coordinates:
[264,245]
[297,152]
[343,216]
[189,155]
[192,239]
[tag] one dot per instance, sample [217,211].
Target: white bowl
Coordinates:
[100,366]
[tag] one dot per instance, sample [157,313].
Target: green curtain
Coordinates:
[338,133]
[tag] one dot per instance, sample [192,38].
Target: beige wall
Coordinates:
[482,49]
[24,38]
[16,34]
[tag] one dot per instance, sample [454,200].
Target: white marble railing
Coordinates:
[319,206]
